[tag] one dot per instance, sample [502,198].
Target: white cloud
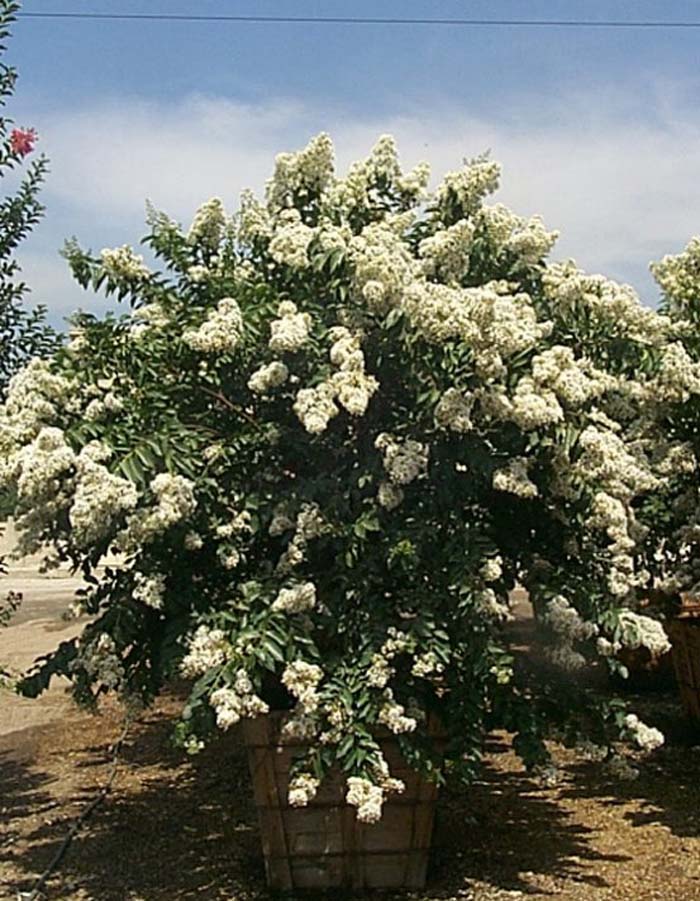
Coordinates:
[621,189]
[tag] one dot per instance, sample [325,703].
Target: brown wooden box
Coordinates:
[322,845]
[685,636]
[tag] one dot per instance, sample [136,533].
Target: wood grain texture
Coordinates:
[323,846]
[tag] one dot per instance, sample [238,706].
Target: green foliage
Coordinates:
[23,333]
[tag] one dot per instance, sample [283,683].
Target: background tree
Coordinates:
[23,333]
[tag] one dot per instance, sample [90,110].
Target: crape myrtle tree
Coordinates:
[671,512]
[331,434]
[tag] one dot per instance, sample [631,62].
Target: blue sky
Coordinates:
[597,129]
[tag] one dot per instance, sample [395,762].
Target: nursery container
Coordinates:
[323,845]
[685,635]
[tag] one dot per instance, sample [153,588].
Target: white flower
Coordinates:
[264,379]
[206,649]
[208,225]
[366,797]
[290,332]
[175,502]
[514,479]
[453,411]
[647,737]
[193,541]
[149,590]
[301,680]
[392,716]
[220,332]
[640,631]
[302,789]
[297,599]
[234,704]
[567,622]
[123,263]
[315,407]
[492,569]
[389,495]
[99,500]
[404,459]
[469,185]
[290,243]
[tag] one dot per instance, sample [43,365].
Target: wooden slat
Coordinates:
[323,845]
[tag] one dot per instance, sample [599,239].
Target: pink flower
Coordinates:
[22,140]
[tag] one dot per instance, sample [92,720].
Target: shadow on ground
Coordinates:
[181,828]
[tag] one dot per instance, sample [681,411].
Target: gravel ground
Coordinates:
[184,828]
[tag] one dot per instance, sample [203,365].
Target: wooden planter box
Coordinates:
[322,845]
[685,635]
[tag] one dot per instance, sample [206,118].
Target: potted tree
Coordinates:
[332,432]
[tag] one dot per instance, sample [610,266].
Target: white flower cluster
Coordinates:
[368,797]
[647,737]
[315,407]
[426,665]
[573,381]
[350,386]
[454,411]
[303,174]
[35,395]
[309,524]
[569,627]
[290,332]
[206,649]
[527,239]
[678,377]
[302,789]
[638,631]
[513,478]
[491,569]
[121,263]
[297,599]
[100,498]
[42,472]
[239,702]
[290,244]
[240,524]
[147,318]
[175,502]
[446,253]
[150,590]
[220,332]
[264,379]
[404,460]
[254,221]
[567,622]
[493,606]
[208,225]
[380,669]
[678,276]
[494,323]
[389,495]
[100,407]
[606,304]
[468,186]
[392,715]
[383,267]
[358,193]
[301,680]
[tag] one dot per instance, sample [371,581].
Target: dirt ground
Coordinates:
[176,827]
[184,828]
